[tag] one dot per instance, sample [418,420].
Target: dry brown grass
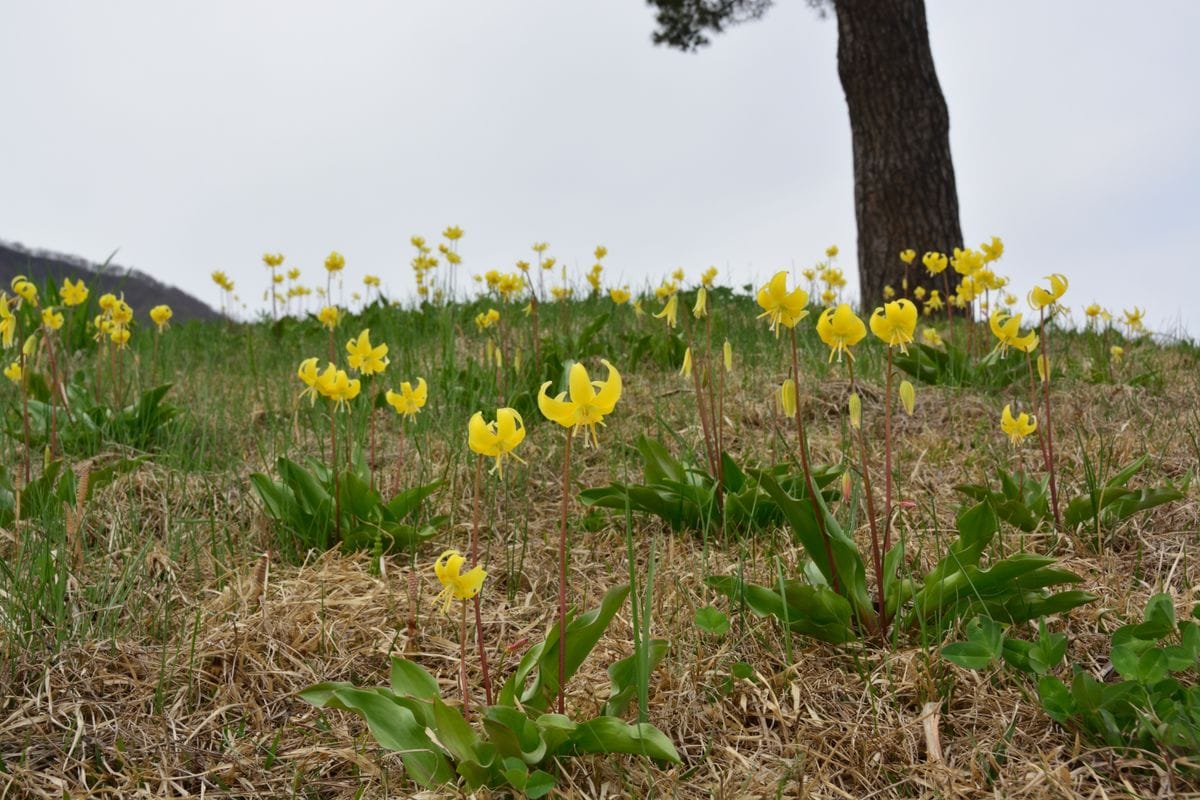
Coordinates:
[212,709]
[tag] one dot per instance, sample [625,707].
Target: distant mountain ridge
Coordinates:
[142,292]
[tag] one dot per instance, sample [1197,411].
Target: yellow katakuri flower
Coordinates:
[708,276]
[908,397]
[780,306]
[363,357]
[841,329]
[701,307]
[728,353]
[309,375]
[72,294]
[670,311]
[455,584]
[119,335]
[619,296]
[339,387]
[589,401]
[272,260]
[1039,298]
[686,369]
[161,315]
[24,289]
[497,439]
[8,323]
[335,262]
[1117,352]
[1134,319]
[13,372]
[934,262]
[831,251]
[600,252]
[1008,330]
[329,316]
[895,323]
[1017,428]
[453,233]
[908,256]
[966,262]
[931,337]
[408,401]
[992,250]
[51,319]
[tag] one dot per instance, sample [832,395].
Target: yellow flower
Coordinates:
[1133,319]
[363,357]
[931,337]
[13,372]
[1117,352]
[678,274]
[686,369]
[701,307]
[161,315]
[855,406]
[637,308]
[993,250]
[1043,367]
[408,401]
[1018,428]
[670,311]
[600,252]
[496,439]
[841,329]
[787,397]
[809,274]
[828,296]
[708,276]
[25,290]
[52,319]
[119,335]
[966,262]
[590,401]
[335,384]
[888,292]
[728,353]
[908,397]
[540,247]
[455,585]
[453,233]
[309,375]
[619,296]
[73,294]
[908,256]
[934,303]
[272,260]
[831,251]
[8,323]
[549,263]
[329,316]
[335,262]
[1039,298]
[371,280]
[523,266]
[121,313]
[219,278]
[486,319]
[780,306]
[293,273]
[895,323]
[1008,330]
[919,292]
[934,262]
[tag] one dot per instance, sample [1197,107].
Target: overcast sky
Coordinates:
[194,136]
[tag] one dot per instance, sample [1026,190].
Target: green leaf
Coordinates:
[1056,699]
[710,620]
[540,784]
[623,677]
[412,680]
[514,734]
[393,726]
[611,735]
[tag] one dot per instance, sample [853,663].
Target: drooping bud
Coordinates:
[908,397]
[855,411]
[787,397]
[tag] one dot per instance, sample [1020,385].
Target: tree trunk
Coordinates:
[904,193]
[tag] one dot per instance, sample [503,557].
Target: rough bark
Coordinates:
[904,191]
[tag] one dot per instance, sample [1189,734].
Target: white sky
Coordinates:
[194,136]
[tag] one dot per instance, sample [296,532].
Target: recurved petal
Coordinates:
[480,436]
[609,390]
[556,409]
[420,393]
[580,384]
